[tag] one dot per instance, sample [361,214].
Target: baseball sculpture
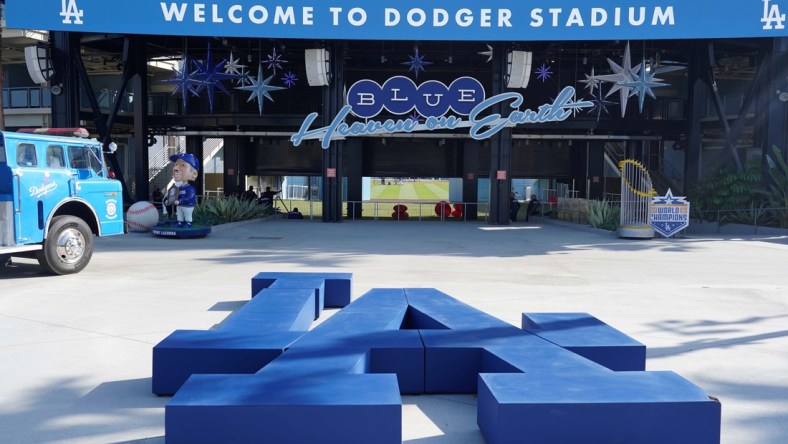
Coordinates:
[142,216]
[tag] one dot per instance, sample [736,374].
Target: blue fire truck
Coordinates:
[55,195]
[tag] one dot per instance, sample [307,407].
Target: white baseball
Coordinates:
[142,216]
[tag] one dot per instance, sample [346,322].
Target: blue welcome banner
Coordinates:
[411,20]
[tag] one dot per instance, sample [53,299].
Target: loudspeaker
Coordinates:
[518,70]
[39,65]
[318,72]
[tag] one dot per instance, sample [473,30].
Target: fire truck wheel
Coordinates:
[68,246]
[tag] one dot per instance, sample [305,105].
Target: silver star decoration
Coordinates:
[415,116]
[417,63]
[260,88]
[488,53]
[233,66]
[592,82]
[274,61]
[642,85]
[621,74]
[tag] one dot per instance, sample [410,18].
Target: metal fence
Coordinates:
[759,219]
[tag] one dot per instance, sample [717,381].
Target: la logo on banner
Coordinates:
[71,13]
[772,19]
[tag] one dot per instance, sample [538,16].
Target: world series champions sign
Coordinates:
[669,214]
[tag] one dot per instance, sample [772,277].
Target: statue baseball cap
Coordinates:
[188,158]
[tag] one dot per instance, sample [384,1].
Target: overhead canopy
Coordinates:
[471,20]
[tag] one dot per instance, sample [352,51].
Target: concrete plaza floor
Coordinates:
[75,351]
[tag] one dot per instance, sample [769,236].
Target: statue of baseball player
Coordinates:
[184,171]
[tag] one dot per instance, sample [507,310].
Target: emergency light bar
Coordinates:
[68,132]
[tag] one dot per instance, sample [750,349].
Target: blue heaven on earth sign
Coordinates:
[669,214]
[502,20]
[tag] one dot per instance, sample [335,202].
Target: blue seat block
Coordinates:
[400,352]
[187,352]
[331,409]
[589,337]
[246,341]
[601,407]
[338,285]
[275,309]
[317,284]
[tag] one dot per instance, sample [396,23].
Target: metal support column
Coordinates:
[65,105]
[500,150]
[332,157]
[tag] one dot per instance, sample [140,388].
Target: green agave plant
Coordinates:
[603,214]
[221,210]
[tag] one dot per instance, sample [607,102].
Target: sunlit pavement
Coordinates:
[76,350]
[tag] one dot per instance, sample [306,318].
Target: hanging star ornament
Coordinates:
[184,82]
[233,66]
[274,61]
[488,53]
[289,79]
[416,63]
[592,81]
[260,89]
[211,76]
[600,104]
[642,84]
[621,74]
[543,72]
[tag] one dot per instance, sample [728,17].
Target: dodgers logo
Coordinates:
[70,12]
[669,214]
[400,95]
[772,18]
[112,209]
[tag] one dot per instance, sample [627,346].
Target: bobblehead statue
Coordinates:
[181,198]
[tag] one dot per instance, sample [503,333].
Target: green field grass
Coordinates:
[421,190]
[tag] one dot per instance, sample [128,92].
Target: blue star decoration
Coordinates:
[600,104]
[289,79]
[274,61]
[543,72]
[417,63]
[184,82]
[416,117]
[243,78]
[260,89]
[210,76]
[642,84]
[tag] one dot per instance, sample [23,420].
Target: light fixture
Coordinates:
[782,95]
